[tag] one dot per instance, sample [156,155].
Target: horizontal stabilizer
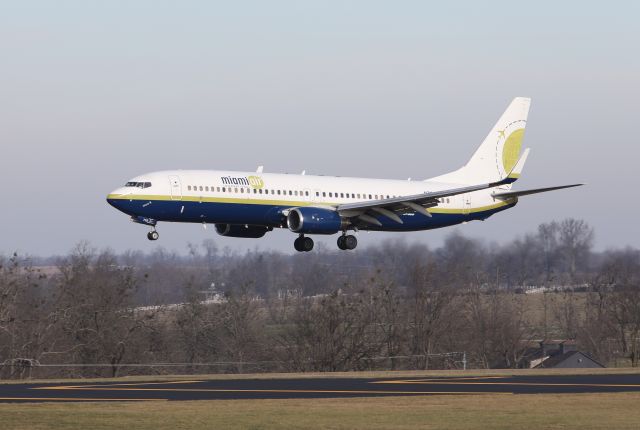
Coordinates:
[509,194]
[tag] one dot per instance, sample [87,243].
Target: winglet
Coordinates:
[514,174]
[517,169]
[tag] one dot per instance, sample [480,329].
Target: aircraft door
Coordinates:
[176,187]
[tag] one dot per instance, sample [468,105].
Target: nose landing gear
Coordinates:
[303,244]
[347,242]
[153,235]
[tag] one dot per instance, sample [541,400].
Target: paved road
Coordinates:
[316,388]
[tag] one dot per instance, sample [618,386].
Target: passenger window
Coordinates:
[260,191]
[370,197]
[342,195]
[206,188]
[317,194]
[241,190]
[306,193]
[218,189]
[324,194]
[255,191]
[189,187]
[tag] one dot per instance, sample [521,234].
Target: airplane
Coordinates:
[251,204]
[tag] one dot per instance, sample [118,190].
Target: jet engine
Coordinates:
[242,230]
[308,220]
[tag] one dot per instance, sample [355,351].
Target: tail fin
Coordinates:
[498,154]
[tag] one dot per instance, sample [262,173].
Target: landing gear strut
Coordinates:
[346,242]
[303,244]
[153,235]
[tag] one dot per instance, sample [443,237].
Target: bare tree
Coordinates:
[430,314]
[497,328]
[576,240]
[241,316]
[96,309]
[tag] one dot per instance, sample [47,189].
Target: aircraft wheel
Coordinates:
[350,242]
[297,244]
[341,243]
[307,244]
[153,235]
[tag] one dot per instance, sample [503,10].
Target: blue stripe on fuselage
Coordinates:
[271,215]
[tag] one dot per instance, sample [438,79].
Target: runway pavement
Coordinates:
[189,389]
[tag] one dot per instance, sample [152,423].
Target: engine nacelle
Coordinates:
[241,230]
[314,221]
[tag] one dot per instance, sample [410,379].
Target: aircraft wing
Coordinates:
[420,202]
[417,202]
[423,198]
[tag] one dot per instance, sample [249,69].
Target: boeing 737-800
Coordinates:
[250,204]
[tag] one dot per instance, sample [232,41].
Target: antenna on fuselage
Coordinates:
[259,169]
[303,172]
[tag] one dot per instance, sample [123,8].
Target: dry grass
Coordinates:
[585,411]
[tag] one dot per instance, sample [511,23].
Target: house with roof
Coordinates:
[560,354]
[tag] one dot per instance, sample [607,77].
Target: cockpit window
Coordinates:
[138,184]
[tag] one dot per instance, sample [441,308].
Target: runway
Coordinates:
[334,387]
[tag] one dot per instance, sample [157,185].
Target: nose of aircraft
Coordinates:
[115,197]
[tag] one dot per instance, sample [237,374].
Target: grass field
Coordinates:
[584,411]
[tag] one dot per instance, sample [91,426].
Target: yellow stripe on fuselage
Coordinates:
[292,203]
[437,210]
[198,199]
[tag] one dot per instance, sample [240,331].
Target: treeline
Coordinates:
[392,306]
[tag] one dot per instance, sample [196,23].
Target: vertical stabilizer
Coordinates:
[500,150]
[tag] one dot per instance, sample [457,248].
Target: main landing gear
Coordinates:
[303,244]
[153,235]
[346,242]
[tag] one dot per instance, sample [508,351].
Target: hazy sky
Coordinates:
[95,92]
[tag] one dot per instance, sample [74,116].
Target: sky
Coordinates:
[93,93]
